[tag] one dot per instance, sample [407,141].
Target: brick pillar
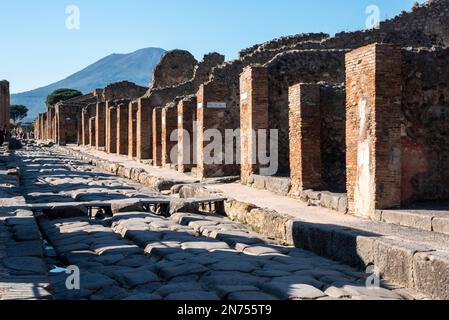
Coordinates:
[186,119]
[60,126]
[111,146]
[43,126]
[157,136]
[144,119]
[211,113]
[253,116]
[305,137]
[169,125]
[4,104]
[84,127]
[92,136]
[107,138]
[373,128]
[122,128]
[100,129]
[132,129]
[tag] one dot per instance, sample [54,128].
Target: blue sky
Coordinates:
[38,49]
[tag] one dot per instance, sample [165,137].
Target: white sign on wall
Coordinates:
[244,96]
[216,105]
[180,119]
[200,105]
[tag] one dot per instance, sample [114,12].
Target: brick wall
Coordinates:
[4,104]
[373,128]
[186,119]
[305,137]
[425,125]
[253,117]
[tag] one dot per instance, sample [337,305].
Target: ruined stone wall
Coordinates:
[122,90]
[4,104]
[174,68]
[425,125]
[169,125]
[333,137]
[287,69]
[424,26]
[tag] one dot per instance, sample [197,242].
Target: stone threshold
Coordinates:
[408,257]
[427,220]
[282,186]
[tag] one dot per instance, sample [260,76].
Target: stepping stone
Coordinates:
[195,295]
[261,250]
[285,291]
[125,250]
[205,245]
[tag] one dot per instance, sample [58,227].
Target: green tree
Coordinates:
[62,95]
[17,112]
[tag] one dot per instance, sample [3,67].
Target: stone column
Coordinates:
[60,126]
[186,147]
[169,124]
[111,129]
[253,117]
[144,119]
[132,129]
[100,129]
[122,128]
[305,137]
[157,136]
[373,128]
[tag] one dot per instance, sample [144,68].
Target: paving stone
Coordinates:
[25,249]
[25,265]
[223,290]
[94,281]
[194,295]
[137,277]
[286,290]
[182,270]
[179,287]
[251,296]
[370,292]
[233,265]
[215,278]
[204,245]
[336,292]
[261,250]
[125,250]
[143,297]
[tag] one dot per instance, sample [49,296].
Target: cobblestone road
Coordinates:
[137,255]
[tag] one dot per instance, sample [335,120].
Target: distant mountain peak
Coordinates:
[135,67]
